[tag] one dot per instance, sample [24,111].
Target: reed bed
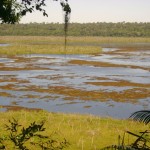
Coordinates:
[55,45]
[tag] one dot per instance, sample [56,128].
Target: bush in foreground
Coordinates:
[19,137]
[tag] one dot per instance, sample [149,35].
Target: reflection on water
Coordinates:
[114,83]
[4,44]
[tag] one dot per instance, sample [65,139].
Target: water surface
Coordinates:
[114,83]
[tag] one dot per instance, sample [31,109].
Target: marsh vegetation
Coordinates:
[102,76]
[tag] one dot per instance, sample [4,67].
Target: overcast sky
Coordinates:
[95,11]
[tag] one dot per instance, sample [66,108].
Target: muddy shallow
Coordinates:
[114,83]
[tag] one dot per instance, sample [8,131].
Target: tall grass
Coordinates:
[18,49]
[43,45]
[60,39]
[83,132]
[56,45]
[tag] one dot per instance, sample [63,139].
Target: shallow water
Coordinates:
[114,83]
[4,44]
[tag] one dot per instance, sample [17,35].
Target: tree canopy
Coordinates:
[11,11]
[120,29]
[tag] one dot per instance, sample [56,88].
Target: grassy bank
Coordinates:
[44,45]
[60,39]
[83,132]
[55,45]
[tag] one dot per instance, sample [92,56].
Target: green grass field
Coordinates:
[83,132]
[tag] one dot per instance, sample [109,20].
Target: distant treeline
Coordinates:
[121,29]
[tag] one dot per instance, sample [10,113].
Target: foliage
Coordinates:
[142,116]
[120,29]
[19,138]
[11,11]
[141,140]
[67,10]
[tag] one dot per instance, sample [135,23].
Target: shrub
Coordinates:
[21,138]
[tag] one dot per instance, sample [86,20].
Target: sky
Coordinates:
[95,11]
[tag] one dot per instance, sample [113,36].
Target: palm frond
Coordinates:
[141,116]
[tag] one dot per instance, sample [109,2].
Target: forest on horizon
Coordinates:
[120,29]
